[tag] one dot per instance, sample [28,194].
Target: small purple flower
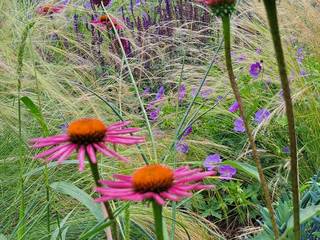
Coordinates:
[154,114]
[146,91]
[261,115]
[303,73]
[64,127]
[239,125]
[205,94]
[188,131]
[227,172]
[286,150]
[241,58]
[234,107]
[182,147]
[255,70]
[300,55]
[182,92]
[87,5]
[160,93]
[258,51]
[211,162]
[193,92]
[219,98]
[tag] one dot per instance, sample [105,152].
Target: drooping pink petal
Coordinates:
[123,131]
[195,177]
[81,157]
[122,177]
[126,140]
[158,199]
[114,184]
[50,151]
[91,153]
[179,193]
[182,174]
[57,154]
[52,138]
[108,152]
[67,153]
[169,196]
[118,125]
[46,144]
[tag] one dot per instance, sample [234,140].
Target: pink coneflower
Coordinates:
[105,23]
[87,136]
[48,9]
[154,182]
[212,3]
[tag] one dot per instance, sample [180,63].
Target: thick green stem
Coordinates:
[96,176]
[271,8]
[158,223]
[236,92]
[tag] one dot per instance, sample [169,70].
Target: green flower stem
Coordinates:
[158,223]
[236,92]
[271,9]
[96,176]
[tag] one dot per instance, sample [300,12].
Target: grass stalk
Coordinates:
[271,9]
[135,86]
[236,92]
[21,51]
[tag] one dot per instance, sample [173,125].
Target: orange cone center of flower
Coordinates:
[103,18]
[47,7]
[86,131]
[152,178]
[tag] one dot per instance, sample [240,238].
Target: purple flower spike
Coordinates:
[255,70]
[239,125]
[146,91]
[188,131]
[211,162]
[227,172]
[286,150]
[182,92]
[234,107]
[205,94]
[182,147]
[303,73]
[160,93]
[154,114]
[300,55]
[261,115]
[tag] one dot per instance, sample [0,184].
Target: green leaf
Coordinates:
[36,113]
[102,224]
[76,193]
[244,167]
[55,233]
[305,215]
